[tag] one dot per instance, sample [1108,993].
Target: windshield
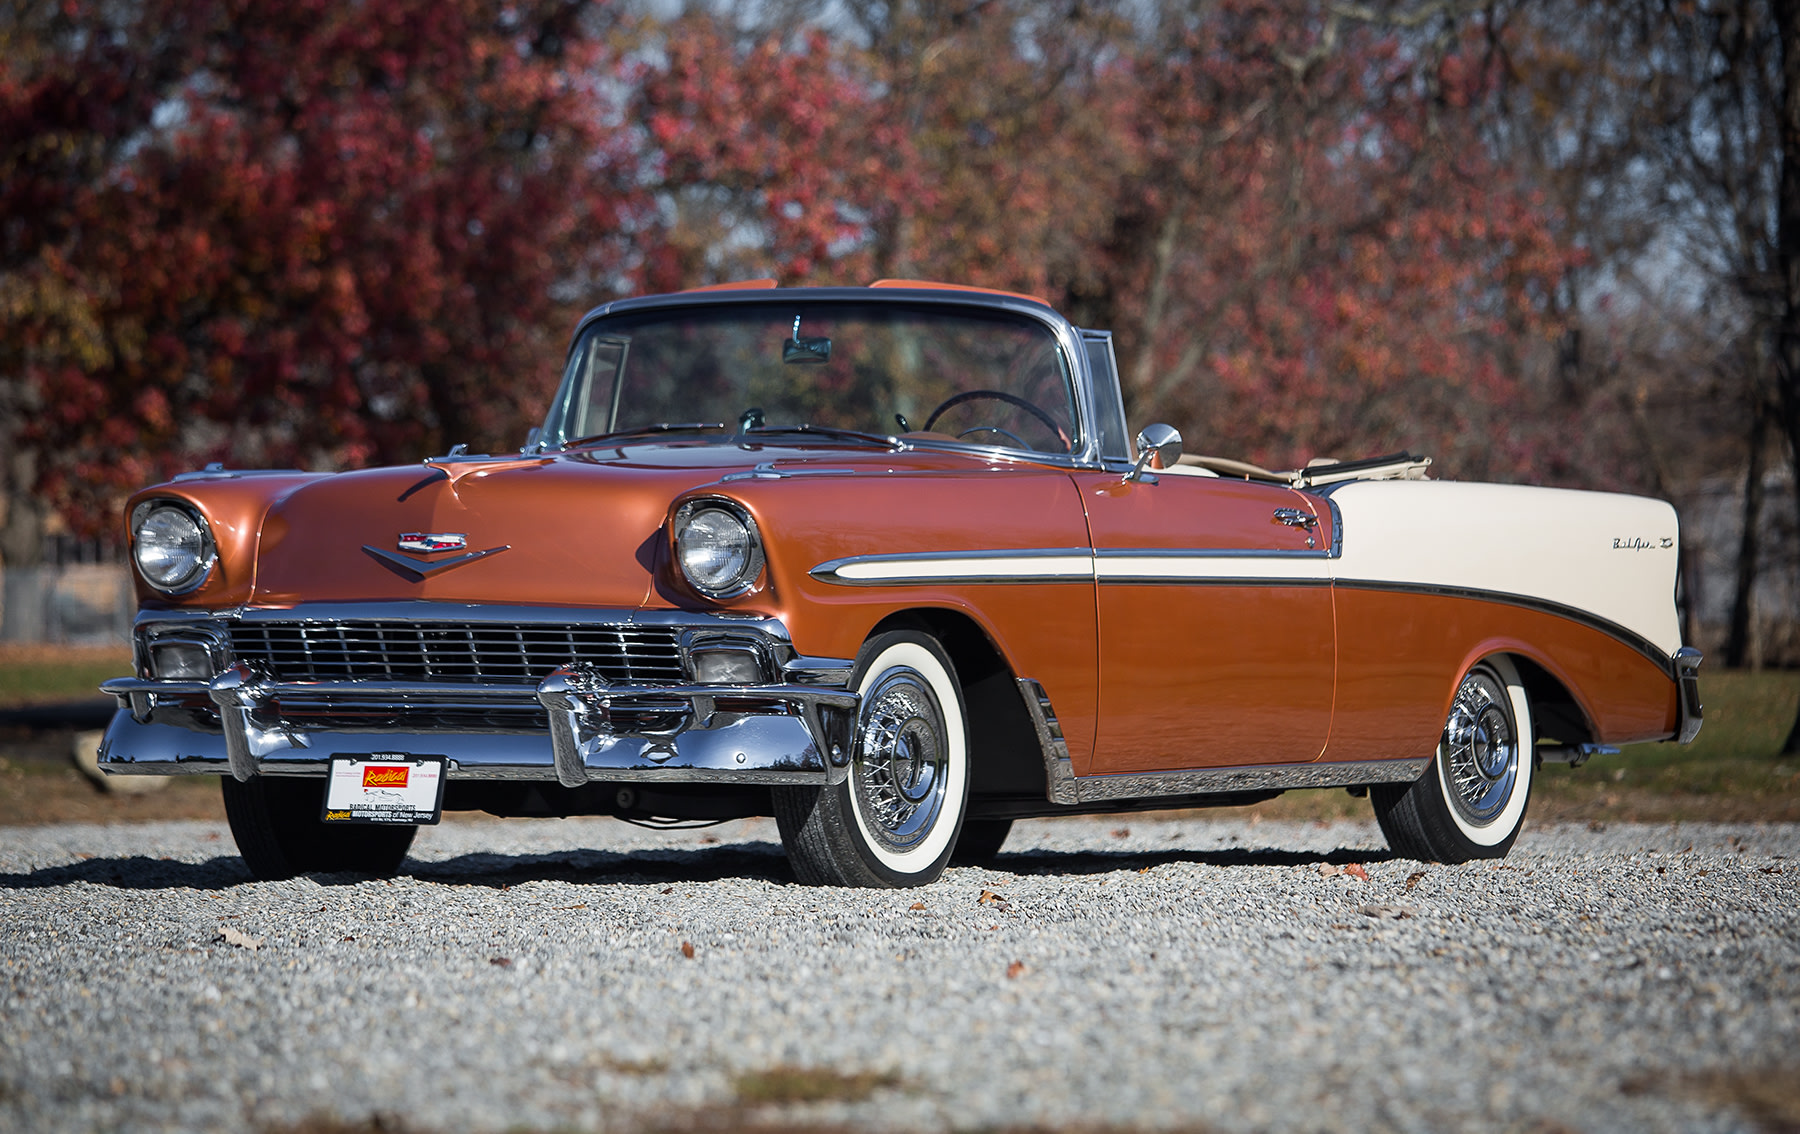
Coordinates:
[936,373]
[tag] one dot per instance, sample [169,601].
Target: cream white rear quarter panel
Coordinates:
[1605,554]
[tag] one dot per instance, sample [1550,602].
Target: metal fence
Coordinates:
[76,604]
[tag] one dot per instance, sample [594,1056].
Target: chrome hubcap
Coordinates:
[1480,750]
[900,771]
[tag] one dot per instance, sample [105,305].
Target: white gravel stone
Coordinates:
[529,976]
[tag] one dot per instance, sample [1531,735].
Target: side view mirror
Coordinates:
[1158,446]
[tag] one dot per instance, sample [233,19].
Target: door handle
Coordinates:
[1296,518]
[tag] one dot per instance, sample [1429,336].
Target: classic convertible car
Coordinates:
[887,564]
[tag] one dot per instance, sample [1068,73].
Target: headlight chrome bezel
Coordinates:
[206,558]
[746,578]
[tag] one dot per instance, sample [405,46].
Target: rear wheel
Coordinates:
[275,821]
[894,820]
[1470,803]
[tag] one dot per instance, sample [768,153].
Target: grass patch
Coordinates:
[1768,1097]
[32,675]
[1734,770]
[780,1085]
[32,794]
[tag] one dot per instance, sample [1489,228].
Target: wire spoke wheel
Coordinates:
[895,817]
[1480,750]
[1470,803]
[900,762]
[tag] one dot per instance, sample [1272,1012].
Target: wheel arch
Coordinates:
[1557,713]
[1557,710]
[1005,756]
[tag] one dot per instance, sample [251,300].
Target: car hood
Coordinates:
[574,529]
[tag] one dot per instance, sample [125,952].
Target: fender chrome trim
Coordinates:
[1039,565]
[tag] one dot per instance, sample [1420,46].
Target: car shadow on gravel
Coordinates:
[1106,862]
[766,862]
[762,861]
[138,872]
[758,861]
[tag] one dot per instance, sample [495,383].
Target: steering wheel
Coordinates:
[998,396]
[1010,436]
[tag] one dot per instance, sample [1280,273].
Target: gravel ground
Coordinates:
[1183,973]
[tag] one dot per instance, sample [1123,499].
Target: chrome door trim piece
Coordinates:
[1242,566]
[1224,567]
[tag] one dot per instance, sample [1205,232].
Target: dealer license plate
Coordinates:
[384,787]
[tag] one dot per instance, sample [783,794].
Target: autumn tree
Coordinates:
[332,234]
[768,157]
[78,87]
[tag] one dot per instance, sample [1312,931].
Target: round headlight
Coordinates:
[173,549]
[718,548]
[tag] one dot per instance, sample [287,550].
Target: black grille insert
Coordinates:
[488,653]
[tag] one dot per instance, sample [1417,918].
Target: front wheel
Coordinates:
[1470,803]
[894,820]
[275,821]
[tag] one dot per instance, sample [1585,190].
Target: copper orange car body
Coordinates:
[1122,634]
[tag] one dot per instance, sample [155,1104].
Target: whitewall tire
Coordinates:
[1471,801]
[894,821]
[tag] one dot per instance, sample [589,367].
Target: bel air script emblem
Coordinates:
[428,543]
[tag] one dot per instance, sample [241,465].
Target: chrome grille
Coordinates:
[494,653]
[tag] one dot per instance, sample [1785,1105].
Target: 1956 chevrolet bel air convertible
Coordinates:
[887,564]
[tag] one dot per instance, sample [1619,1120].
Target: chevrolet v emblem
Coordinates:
[428,543]
[433,542]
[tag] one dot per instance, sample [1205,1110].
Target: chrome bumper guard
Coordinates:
[765,734]
[1688,713]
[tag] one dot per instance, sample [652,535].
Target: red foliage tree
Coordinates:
[769,160]
[325,234]
[348,233]
[1289,217]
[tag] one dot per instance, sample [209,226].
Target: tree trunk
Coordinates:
[1787,359]
[1737,642]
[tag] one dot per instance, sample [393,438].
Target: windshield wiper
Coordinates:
[886,441]
[645,430]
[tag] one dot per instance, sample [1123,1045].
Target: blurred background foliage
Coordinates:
[1555,241]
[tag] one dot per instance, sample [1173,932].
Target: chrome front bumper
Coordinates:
[782,733]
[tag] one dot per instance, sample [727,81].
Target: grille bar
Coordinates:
[476,652]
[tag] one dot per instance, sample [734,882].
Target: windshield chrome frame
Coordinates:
[1068,343]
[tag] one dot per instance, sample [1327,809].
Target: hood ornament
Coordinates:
[428,543]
